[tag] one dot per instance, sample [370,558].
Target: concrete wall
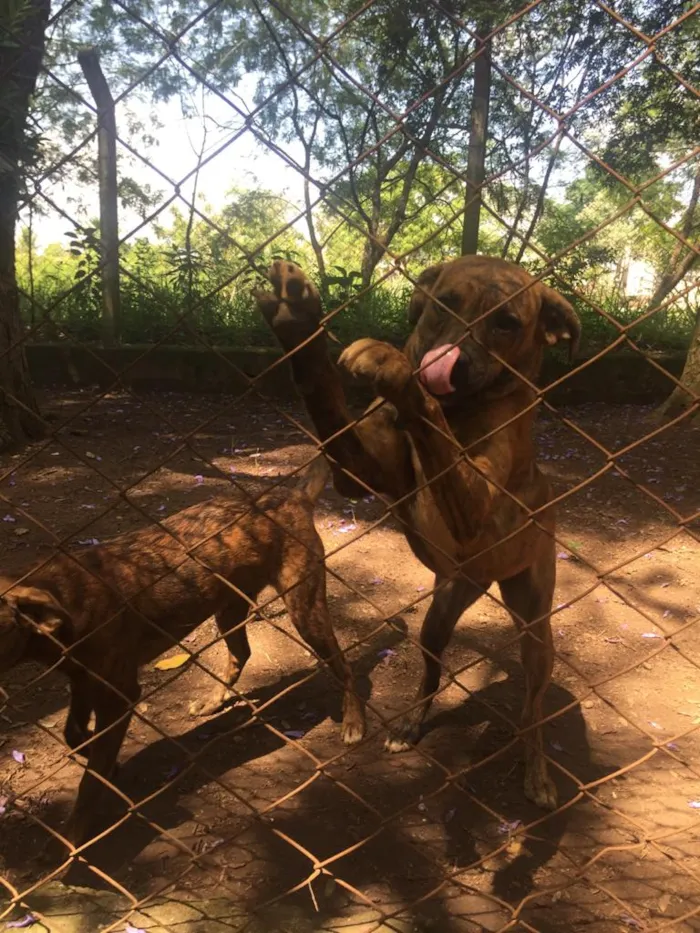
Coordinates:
[617,377]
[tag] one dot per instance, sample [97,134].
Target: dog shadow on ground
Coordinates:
[433,813]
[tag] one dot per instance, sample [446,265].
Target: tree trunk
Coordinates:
[109,206]
[21,53]
[679,400]
[477,148]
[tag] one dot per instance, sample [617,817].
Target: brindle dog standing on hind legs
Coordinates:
[451,446]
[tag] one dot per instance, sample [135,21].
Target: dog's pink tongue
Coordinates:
[436,369]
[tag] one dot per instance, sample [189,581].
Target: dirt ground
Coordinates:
[434,837]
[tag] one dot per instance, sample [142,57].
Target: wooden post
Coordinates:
[477,146]
[109,214]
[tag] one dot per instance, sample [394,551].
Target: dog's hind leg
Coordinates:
[451,599]
[231,622]
[528,596]
[302,583]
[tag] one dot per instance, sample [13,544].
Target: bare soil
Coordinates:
[255,808]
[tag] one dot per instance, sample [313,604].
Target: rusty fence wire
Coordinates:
[260,817]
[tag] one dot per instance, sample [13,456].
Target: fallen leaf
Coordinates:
[664,902]
[21,531]
[170,664]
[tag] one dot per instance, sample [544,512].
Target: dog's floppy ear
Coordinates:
[424,283]
[558,320]
[37,609]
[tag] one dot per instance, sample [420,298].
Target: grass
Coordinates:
[159,315]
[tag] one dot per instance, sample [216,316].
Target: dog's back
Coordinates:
[151,587]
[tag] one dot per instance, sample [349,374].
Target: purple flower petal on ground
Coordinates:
[19,757]
[450,815]
[695,804]
[632,922]
[130,928]
[385,653]
[346,528]
[509,827]
[199,479]
[9,518]
[650,635]
[672,746]
[557,747]
[3,805]
[562,555]
[26,921]
[294,733]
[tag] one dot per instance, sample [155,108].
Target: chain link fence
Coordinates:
[256,815]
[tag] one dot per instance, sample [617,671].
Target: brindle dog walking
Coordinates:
[102,612]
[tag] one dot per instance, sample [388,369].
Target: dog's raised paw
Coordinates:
[290,282]
[384,367]
[294,310]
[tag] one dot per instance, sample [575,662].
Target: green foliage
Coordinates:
[379,117]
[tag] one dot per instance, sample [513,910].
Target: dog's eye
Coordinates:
[507,322]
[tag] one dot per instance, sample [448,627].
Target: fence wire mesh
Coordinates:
[257,815]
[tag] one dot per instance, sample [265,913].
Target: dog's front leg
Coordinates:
[371,450]
[463,489]
[77,731]
[113,711]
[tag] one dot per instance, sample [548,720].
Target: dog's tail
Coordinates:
[313,479]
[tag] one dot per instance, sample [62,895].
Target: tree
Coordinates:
[21,50]
[682,260]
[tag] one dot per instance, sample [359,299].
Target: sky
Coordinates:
[244,163]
